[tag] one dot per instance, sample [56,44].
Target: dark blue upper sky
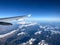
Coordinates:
[38,8]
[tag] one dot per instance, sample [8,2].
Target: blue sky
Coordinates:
[38,8]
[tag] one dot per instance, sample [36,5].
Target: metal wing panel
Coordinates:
[12,18]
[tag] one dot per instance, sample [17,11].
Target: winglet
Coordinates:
[29,15]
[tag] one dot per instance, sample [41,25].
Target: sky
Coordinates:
[38,8]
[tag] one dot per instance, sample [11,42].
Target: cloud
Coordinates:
[31,24]
[8,34]
[55,32]
[26,25]
[42,26]
[38,32]
[43,42]
[56,27]
[22,33]
[49,27]
[31,40]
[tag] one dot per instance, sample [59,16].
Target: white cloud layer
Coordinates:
[7,34]
[38,32]
[22,33]
[43,42]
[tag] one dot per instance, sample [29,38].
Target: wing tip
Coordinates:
[29,15]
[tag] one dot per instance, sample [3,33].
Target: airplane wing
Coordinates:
[13,18]
[6,21]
